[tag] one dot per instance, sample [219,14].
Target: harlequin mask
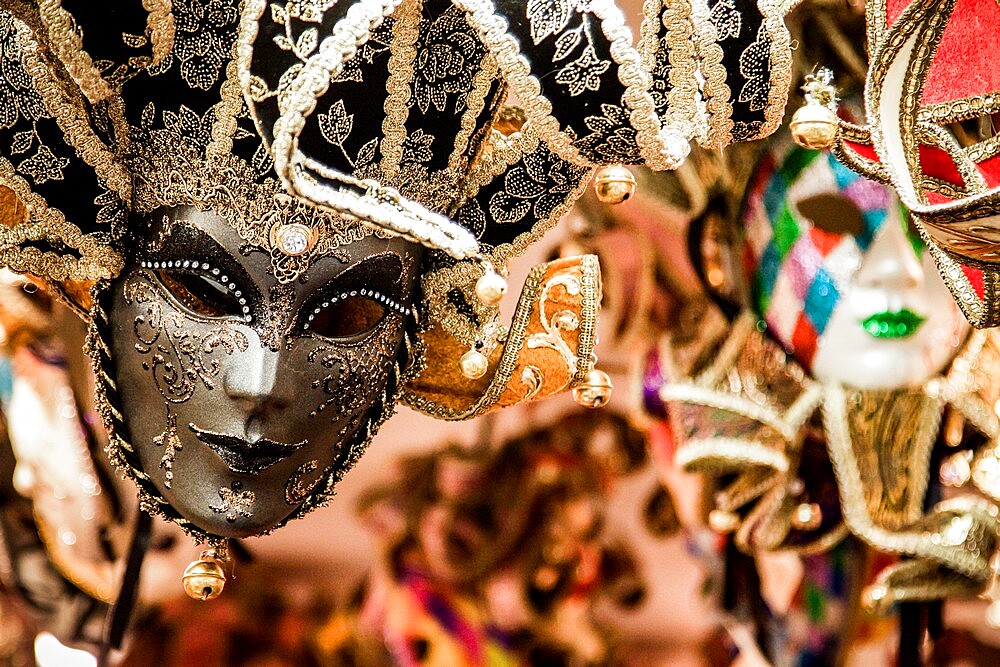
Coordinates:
[882,383]
[840,279]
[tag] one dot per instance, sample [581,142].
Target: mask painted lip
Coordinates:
[893,323]
[246,457]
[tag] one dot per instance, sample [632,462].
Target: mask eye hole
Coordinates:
[833,213]
[200,294]
[348,315]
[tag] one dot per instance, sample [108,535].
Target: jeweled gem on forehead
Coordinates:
[293,239]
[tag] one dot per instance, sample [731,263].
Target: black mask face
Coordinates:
[241,395]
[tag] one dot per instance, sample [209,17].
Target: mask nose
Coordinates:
[890,263]
[253,380]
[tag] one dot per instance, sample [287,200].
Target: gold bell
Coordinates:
[814,126]
[594,391]
[205,578]
[614,184]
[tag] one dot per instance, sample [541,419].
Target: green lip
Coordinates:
[893,324]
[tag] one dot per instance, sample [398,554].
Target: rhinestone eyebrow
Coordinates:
[205,267]
[391,304]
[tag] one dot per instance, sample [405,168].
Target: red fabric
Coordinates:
[660,439]
[975,277]
[864,150]
[934,162]
[965,63]
[938,164]
[990,169]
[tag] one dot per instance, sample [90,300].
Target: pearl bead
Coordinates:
[474,364]
[807,516]
[722,521]
[491,287]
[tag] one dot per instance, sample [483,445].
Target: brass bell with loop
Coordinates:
[614,184]
[594,391]
[205,578]
[815,124]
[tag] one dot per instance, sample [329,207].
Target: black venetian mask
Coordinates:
[243,396]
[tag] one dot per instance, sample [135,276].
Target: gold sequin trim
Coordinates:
[160,28]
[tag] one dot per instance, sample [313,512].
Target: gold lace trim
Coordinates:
[230,105]
[68,47]
[682,109]
[97,260]
[482,81]
[71,116]
[172,175]
[402,54]
[875,23]
[718,96]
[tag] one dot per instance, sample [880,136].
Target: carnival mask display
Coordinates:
[522,560]
[848,369]
[281,219]
[841,279]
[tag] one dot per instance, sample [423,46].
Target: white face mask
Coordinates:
[841,282]
[896,324]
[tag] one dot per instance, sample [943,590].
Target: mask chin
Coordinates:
[237,402]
